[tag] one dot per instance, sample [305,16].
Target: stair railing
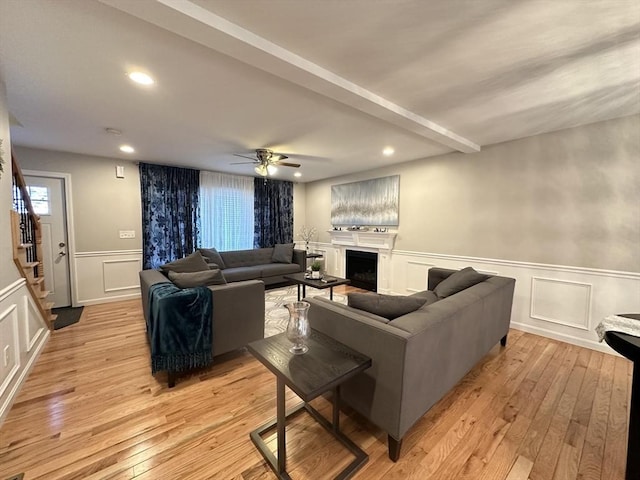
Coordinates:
[27,242]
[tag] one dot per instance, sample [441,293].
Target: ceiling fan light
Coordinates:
[271,169]
[261,170]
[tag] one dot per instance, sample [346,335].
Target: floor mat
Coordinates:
[66,316]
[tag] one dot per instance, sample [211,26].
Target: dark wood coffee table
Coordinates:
[300,279]
[324,367]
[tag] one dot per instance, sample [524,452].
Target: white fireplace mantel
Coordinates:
[363,239]
[380,242]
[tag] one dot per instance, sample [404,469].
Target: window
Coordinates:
[39,199]
[226,211]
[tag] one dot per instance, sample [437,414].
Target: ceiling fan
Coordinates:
[266,161]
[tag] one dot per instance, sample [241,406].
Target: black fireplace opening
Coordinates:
[362,269]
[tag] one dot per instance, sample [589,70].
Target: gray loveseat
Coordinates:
[417,357]
[237,316]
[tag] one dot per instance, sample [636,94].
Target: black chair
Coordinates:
[629,346]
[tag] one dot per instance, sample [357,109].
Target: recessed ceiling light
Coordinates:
[388,151]
[141,78]
[297,174]
[127,149]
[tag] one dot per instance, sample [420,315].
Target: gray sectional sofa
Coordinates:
[237,315]
[419,356]
[237,293]
[258,264]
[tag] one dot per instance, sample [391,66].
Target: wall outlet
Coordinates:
[6,355]
[127,234]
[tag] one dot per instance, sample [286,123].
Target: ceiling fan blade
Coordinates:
[287,164]
[242,163]
[246,156]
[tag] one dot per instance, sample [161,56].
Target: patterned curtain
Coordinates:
[169,213]
[273,212]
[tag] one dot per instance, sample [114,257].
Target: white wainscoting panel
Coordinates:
[34,328]
[23,335]
[560,301]
[416,275]
[9,346]
[557,301]
[107,276]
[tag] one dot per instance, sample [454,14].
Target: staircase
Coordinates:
[27,243]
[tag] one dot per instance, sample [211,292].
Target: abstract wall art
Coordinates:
[370,202]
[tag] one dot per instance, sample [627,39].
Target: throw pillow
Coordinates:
[282,253]
[197,279]
[190,263]
[212,256]
[387,306]
[458,281]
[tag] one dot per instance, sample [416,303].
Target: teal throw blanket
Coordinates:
[179,327]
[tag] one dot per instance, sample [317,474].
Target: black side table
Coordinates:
[629,346]
[324,367]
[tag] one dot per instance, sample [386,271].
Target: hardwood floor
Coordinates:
[537,409]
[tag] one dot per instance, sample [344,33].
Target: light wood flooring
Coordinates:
[90,409]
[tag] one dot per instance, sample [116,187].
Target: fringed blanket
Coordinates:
[616,323]
[179,327]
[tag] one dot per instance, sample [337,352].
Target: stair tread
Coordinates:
[25,245]
[43,293]
[30,264]
[52,317]
[38,280]
[48,305]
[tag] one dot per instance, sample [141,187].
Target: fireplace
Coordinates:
[362,269]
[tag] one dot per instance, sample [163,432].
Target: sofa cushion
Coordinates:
[247,258]
[458,281]
[428,296]
[387,306]
[191,263]
[239,274]
[212,255]
[197,279]
[274,269]
[282,253]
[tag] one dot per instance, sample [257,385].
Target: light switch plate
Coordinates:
[127,234]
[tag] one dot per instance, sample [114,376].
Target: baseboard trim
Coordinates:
[543,332]
[118,298]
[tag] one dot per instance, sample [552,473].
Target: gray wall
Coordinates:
[8,270]
[570,197]
[102,204]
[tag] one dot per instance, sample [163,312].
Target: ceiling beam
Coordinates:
[200,25]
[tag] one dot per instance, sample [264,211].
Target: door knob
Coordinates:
[62,244]
[61,254]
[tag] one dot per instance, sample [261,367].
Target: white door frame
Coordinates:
[71,243]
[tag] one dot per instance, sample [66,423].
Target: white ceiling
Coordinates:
[330,83]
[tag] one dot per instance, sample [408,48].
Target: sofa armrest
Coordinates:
[148,278]
[238,314]
[300,257]
[376,392]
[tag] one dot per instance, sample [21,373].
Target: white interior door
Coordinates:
[48,199]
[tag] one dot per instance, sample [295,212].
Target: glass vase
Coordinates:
[298,327]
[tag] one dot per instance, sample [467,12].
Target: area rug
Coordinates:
[276,314]
[66,316]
